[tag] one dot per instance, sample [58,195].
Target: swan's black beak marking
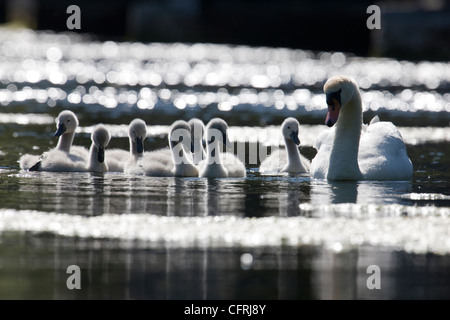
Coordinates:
[294,137]
[101,155]
[334,95]
[61,129]
[334,105]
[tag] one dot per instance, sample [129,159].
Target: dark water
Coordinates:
[261,237]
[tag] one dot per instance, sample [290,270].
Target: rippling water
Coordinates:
[271,237]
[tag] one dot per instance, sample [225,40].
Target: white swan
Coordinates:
[100,139]
[120,160]
[352,151]
[219,164]
[290,160]
[197,134]
[181,150]
[60,161]
[155,164]
[66,123]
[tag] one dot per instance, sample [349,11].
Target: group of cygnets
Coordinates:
[349,150]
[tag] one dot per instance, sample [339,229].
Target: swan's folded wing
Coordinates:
[274,162]
[233,164]
[163,156]
[117,159]
[382,153]
[60,161]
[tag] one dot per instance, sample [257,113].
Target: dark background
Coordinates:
[415,30]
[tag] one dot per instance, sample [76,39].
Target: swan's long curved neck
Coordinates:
[344,152]
[293,157]
[180,154]
[213,151]
[65,141]
[199,153]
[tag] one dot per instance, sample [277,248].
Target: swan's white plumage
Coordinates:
[64,156]
[100,138]
[180,142]
[197,133]
[59,161]
[168,162]
[121,160]
[353,151]
[288,160]
[219,164]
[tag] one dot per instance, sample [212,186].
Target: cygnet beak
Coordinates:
[294,137]
[61,129]
[101,155]
[139,145]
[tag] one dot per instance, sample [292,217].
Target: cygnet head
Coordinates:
[339,91]
[289,129]
[216,129]
[137,131]
[100,139]
[180,132]
[66,122]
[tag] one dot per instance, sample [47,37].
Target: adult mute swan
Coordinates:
[66,123]
[290,160]
[351,150]
[219,164]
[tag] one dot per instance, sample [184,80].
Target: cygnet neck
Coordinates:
[294,162]
[65,141]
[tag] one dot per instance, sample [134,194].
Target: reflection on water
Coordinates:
[262,237]
[124,271]
[362,192]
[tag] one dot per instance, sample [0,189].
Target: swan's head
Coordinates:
[137,131]
[197,132]
[100,139]
[180,132]
[66,122]
[289,129]
[217,129]
[339,91]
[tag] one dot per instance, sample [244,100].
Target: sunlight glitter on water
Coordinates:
[289,79]
[49,70]
[428,231]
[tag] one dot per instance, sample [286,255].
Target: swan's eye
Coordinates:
[289,128]
[68,120]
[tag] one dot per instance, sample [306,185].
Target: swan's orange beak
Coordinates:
[333,113]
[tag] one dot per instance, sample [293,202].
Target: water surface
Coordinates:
[260,237]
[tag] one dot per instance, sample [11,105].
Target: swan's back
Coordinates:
[233,164]
[382,153]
